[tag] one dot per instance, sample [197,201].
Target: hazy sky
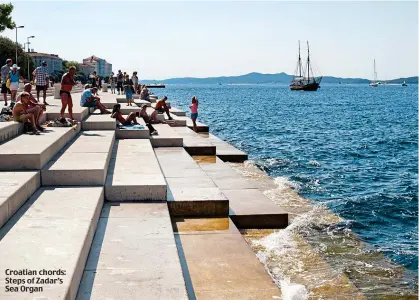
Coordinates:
[202,39]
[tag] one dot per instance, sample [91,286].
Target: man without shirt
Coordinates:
[67,83]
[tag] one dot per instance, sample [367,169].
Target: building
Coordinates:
[54,62]
[86,69]
[101,66]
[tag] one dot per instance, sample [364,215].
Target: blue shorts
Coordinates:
[90,104]
[194,116]
[128,94]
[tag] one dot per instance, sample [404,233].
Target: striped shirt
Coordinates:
[42,75]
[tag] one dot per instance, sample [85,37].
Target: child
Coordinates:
[116,114]
[129,90]
[194,112]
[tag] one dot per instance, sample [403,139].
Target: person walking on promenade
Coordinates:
[42,81]
[21,115]
[67,83]
[128,85]
[112,83]
[5,70]
[194,112]
[93,79]
[135,81]
[14,77]
[161,107]
[90,99]
[119,81]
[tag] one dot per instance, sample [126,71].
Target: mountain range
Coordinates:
[255,78]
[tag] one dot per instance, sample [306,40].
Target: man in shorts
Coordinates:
[4,75]
[89,99]
[42,80]
[21,115]
[162,107]
[67,83]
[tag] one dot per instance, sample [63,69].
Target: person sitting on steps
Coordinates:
[21,115]
[162,107]
[89,99]
[143,114]
[116,114]
[33,106]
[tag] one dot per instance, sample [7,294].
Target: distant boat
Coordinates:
[404,83]
[219,83]
[374,83]
[300,82]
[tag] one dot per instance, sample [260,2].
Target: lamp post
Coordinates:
[28,43]
[16,27]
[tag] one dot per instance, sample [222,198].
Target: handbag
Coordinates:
[8,83]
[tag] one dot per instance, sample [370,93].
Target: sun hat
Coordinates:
[15,66]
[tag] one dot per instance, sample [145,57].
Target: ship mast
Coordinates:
[308,63]
[299,58]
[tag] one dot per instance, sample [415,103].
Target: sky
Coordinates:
[163,40]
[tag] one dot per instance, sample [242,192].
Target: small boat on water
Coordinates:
[374,83]
[300,82]
[404,83]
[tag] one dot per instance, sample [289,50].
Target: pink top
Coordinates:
[194,108]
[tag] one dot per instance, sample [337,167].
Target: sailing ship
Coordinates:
[300,82]
[374,83]
[404,83]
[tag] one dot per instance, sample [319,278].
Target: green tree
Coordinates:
[8,50]
[68,63]
[5,18]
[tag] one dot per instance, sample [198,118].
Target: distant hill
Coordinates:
[265,78]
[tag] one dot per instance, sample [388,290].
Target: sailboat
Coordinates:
[374,83]
[404,83]
[300,82]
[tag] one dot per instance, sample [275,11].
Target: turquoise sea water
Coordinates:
[351,147]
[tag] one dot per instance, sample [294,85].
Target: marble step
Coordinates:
[96,121]
[167,137]
[193,143]
[9,130]
[53,230]
[84,162]
[218,263]
[33,152]
[225,151]
[133,256]
[16,188]
[190,192]
[134,173]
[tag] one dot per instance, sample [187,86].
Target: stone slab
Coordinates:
[79,113]
[189,193]
[225,151]
[133,264]
[193,143]
[84,162]
[220,265]
[201,127]
[32,152]
[9,130]
[99,122]
[134,173]
[52,231]
[167,137]
[15,189]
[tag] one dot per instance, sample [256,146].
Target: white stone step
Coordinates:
[133,133]
[53,230]
[96,121]
[32,152]
[79,113]
[134,173]
[140,102]
[190,191]
[9,130]
[224,150]
[16,188]
[83,162]
[193,143]
[167,137]
[133,256]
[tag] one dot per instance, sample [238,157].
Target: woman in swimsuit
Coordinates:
[116,114]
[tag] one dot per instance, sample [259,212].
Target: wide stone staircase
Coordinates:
[115,213]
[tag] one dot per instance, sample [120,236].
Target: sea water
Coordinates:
[348,149]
